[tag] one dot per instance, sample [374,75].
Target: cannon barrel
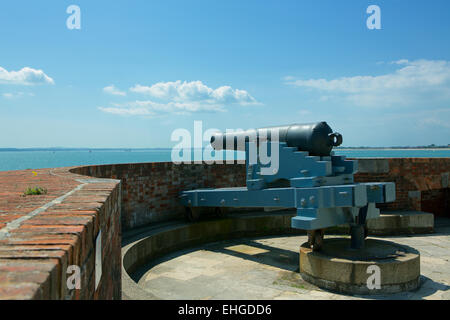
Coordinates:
[316,138]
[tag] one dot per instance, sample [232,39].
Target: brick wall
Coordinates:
[421,183]
[41,236]
[150,190]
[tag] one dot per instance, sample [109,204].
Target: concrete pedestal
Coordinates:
[380,267]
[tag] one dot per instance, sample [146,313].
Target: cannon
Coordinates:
[306,176]
[316,138]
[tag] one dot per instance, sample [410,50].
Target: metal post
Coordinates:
[357,236]
[357,229]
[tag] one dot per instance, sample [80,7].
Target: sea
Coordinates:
[38,159]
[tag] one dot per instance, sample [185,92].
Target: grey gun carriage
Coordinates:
[309,178]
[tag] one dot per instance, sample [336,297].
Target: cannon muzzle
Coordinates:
[316,138]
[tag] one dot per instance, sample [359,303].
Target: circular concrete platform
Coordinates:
[380,267]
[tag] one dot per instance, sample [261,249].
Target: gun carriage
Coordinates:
[307,176]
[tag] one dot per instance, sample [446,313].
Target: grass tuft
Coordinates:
[34,191]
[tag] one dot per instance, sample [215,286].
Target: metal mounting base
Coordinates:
[315,239]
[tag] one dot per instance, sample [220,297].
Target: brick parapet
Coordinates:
[150,190]
[42,235]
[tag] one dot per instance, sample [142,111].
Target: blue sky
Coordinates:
[137,70]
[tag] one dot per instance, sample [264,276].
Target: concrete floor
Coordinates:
[267,268]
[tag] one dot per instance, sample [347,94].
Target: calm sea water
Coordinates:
[19,160]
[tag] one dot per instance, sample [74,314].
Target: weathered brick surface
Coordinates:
[150,190]
[35,252]
[421,184]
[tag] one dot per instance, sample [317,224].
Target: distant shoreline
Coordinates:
[165,149]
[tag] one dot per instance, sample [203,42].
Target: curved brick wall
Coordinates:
[41,236]
[150,190]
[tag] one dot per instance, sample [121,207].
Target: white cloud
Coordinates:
[114,91]
[420,81]
[288,78]
[127,111]
[195,91]
[434,118]
[433,122]
[25,76]
[151,108]
[304,112]
[11,95]
[8,95]
[181,98]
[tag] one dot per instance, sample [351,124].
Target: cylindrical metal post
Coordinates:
[357,236]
